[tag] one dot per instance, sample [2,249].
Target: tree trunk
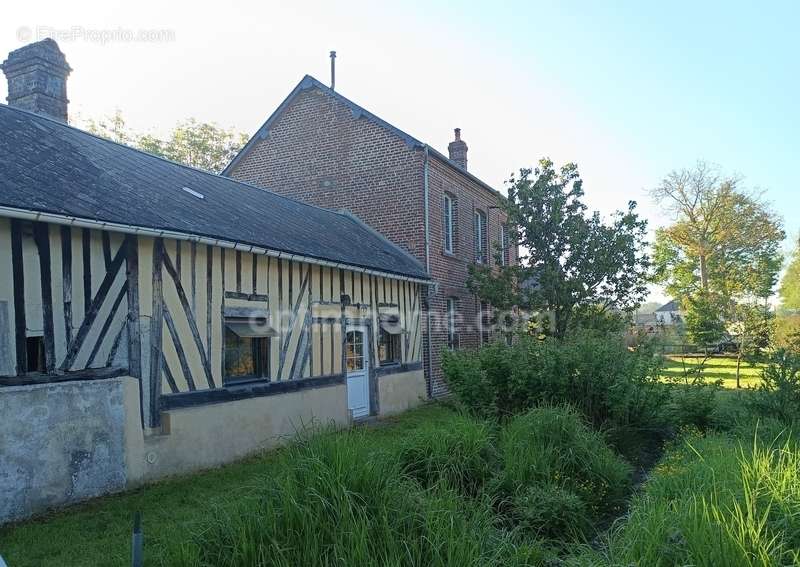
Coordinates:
[738,366]
[703,272]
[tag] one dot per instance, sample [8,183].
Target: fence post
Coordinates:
[137,542]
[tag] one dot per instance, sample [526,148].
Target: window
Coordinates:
[505,249]
[246,349]
[34,350]
[448,224]
[354,350]
[480,237]
[388,348]
[452,335]
[485,322]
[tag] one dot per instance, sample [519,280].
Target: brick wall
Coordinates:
[318,151]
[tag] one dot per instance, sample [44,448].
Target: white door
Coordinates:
[357,365]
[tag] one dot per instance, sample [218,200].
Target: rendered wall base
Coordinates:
[210,435]
[402,391]
[60,443]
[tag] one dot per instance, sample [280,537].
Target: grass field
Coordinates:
[98,532]
[716,368]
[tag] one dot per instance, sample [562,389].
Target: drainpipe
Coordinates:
[428,269]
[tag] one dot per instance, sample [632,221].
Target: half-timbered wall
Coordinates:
[155,308]
[67,288]
[189,286]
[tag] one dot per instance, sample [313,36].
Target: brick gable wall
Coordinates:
[317,151]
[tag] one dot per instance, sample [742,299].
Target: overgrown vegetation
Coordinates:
[598,375]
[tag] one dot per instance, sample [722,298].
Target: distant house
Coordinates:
[669,314]
[325,149]
[156,319]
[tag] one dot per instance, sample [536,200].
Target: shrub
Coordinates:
[550,511]
[460,455]
[608,383]
[548,455]
[694,405]
[778,395]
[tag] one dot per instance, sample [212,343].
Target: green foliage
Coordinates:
[713,501]
[461,456]
[694,405]
[778,395]
[787,332]
[549,457]
[198,144]
[703,322]
[724,242]
[790,285]
[609,384]
[574,260]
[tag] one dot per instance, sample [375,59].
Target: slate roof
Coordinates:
[670,306]
[47,166]
[309,82]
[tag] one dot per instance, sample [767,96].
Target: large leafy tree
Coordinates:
[790,284]
[572,261]
[198,144]
[723,242]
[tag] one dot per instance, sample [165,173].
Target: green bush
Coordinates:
[694,405]
[713,501]
[550,511]
[609,384]
[549,454]
[778,395]
[460,455]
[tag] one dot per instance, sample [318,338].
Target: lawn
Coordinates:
[716,368]
[98,532]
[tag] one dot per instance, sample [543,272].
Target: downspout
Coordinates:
[428,269]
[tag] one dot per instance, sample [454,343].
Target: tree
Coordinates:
[751,327]
[790,285]
[703,322]
[575,261]
[197,144]
[724,241]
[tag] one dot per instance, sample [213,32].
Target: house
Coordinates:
[669,314]
[156,319]
[324,149]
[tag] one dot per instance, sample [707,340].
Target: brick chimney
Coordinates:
[458,151]
[37,79]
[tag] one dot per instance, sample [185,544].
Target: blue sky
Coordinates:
[628,90]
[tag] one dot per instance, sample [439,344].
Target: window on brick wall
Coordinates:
[448,221]
[481,239]
[505,248]
[452,331]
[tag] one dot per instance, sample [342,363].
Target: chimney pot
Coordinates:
[458,150]
[37,79]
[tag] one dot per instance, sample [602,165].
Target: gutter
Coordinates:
[67,220]
[428,269]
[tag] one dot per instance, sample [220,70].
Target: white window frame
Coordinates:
[504,247]
[481,221]
[447,219]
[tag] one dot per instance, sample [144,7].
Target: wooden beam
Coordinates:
[107,324]
[187,311]
[41,236]
[156,330]
[94,308]
[66,278]
[86,242]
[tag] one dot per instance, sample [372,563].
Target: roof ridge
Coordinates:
[162,158]
[309,81]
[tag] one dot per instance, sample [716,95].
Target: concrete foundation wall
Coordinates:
[402,391]
[66,442]
[60,443]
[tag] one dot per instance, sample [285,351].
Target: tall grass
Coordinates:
[714,501]
[339,502]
